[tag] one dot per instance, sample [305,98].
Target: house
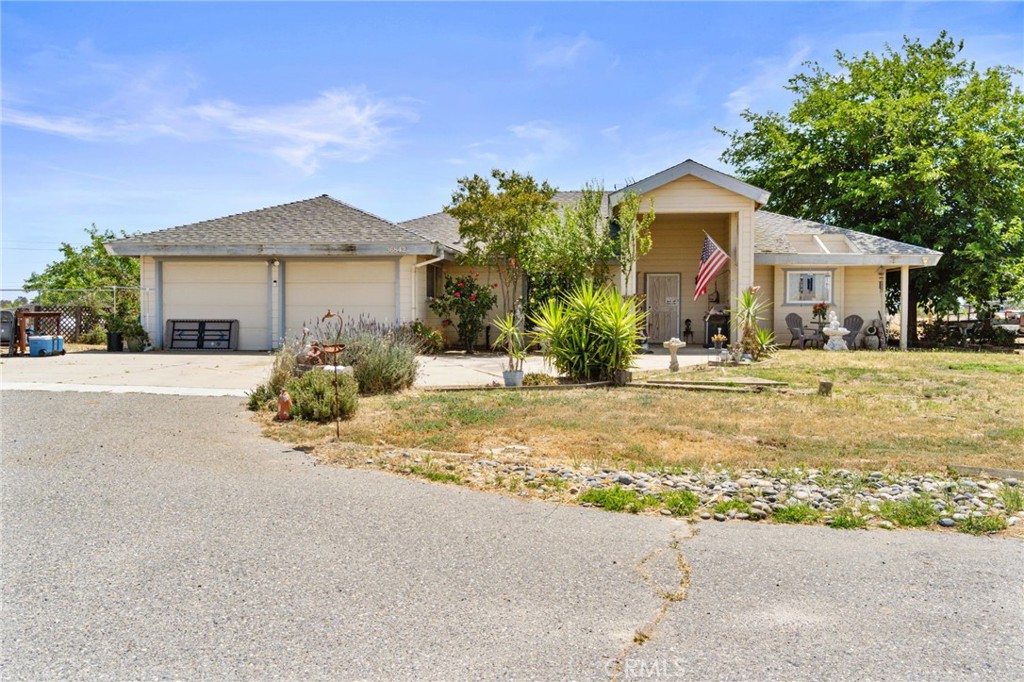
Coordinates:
[276,269]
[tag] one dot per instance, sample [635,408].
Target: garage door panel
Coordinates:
[351,288]
[222,290]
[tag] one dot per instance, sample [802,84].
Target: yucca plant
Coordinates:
[766,346]
[511,340]
[591,334]
[746,314]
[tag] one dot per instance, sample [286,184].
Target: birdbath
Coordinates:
[835,333]
[673,345]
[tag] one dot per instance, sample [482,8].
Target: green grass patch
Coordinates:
[799,512]
[725,506]
[618,498]
[1012,498]
[680,502]
[981,525]
[432,473]
[917,512]
[845,519]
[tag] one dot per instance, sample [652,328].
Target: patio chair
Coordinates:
[795,323]
[854,323]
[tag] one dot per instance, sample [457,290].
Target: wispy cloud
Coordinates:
[559,52]
[151,101]
[769,78]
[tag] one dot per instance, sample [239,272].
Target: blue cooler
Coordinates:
[38,346]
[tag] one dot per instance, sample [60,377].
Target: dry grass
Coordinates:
[902,411]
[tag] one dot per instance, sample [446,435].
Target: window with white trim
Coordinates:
[808,286]
[435,281]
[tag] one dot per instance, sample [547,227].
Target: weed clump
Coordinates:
[799,512]
[618,498]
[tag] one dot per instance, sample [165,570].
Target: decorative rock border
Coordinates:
[863,499]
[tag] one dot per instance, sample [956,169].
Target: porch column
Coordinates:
[904,307]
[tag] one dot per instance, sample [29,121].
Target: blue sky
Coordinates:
[142,116]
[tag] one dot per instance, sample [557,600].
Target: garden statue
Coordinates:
[673,345]
[284,406]
[835,333]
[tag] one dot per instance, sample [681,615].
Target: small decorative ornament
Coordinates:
[284,406]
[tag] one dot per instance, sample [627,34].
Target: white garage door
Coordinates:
[349,287]
[219,290]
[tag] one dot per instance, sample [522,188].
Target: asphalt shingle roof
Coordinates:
[770,230]
[320,220]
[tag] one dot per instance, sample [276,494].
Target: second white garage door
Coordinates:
[349,287]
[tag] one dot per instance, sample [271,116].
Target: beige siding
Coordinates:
[349,287]
[855,292]
[225,290]
[861,296]
[693,195]
[676,245]
[764,277]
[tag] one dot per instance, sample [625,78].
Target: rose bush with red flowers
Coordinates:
[468,301]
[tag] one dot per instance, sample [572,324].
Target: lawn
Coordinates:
[919,411]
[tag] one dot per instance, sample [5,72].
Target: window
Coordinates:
[808,286]
[435,282]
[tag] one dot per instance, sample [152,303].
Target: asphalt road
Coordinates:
[159,537]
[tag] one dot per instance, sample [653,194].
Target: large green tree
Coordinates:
[87,267]
[914,144]
[498,224]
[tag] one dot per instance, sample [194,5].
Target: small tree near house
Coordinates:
[467,300]
[498,225]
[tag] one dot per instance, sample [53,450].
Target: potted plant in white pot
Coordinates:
[512,342]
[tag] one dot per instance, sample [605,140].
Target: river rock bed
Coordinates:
[872,499]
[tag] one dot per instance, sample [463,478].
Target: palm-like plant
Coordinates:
[511,340]
[591,334]
[746,314]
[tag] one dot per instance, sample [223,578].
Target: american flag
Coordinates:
[712,259]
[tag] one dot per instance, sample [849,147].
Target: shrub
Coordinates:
[591,334]
[95,336]
[469,301]
[313,396]
[538,379]
[431,340]
[382,357]
[282,371]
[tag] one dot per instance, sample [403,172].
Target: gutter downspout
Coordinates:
[158,277]
[280,298]
[270,304]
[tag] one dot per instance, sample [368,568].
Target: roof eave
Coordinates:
[884,259]
[242,250]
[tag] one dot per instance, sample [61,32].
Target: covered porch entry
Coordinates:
[689,201]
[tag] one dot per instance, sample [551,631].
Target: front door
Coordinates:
[662,307]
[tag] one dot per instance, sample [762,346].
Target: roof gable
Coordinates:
[697,170]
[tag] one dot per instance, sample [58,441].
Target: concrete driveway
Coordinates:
[232,374]
[150,536]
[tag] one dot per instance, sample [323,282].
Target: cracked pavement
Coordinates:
[148,536]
